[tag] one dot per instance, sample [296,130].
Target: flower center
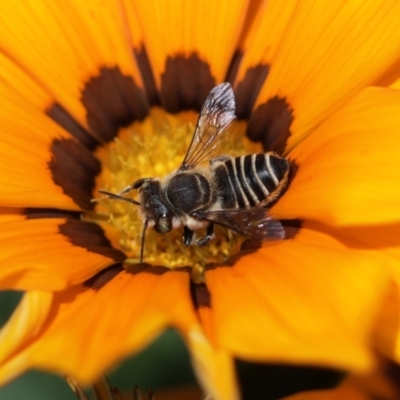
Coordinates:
[155,148]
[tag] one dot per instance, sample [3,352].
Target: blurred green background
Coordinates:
[164,364]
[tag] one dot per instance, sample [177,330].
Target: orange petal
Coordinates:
[23,326]
[255,8]
[252,61]
[187,46]
[20,88]
[14,79]
[140,51]
[11,214]
[214,367]
[104,321]
[307,300]
[349,168]
[265,33]
[396,84]
[384,239]
[328,53]
[391,77]
[40,164]
[387,332]
[50,254]
[63,45]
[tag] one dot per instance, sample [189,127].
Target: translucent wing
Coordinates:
[252,222]
[217,113]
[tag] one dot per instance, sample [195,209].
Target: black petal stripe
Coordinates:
[185,83]
[113,100]
[37,213]
[247,90]
[58,114]
[201,297]
[234,66]
[292,227]
[91,237]
[144,268]
[147,75]
[74,168]
[270,124]
[101,279]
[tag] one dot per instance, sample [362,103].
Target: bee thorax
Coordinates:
[188,192]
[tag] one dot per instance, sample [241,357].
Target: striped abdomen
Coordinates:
[253,180]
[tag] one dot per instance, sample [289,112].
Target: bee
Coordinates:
[226,190]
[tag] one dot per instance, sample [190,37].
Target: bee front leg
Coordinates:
[209,235]
[187,236]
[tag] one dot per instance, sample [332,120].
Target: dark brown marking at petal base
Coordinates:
[61,116]
[147,268]
[270,124]
[113,100]
[99,280]
[234,66]
[201,297]
[37,213]
[247,90]
[147,75]
[154,270]
[74,168]
[90,237]
[292,227]
[185,83]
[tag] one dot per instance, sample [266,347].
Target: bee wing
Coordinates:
[252,222]
[217,113]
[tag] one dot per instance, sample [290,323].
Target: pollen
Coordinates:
[153,148]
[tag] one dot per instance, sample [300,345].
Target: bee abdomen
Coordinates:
[251,180]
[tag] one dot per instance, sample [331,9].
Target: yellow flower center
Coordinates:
[155,148]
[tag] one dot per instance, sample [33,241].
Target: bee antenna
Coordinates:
[119,197]
[146,222]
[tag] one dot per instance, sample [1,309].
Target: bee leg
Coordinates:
[187,236]
[209,235]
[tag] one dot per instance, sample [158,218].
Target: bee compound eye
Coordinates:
[163,225]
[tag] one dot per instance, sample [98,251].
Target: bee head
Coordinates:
[155,210]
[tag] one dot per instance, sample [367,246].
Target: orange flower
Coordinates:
[311,81]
